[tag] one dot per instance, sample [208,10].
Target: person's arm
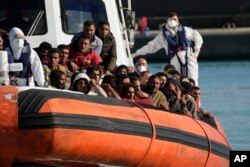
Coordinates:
[98,89]
[113,57]
[191,105]
[72,67]
[195,36]
[37,68]
[142,94]
[206,113]
[110,91]
[152,46]
[164,103]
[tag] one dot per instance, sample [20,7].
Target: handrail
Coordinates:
[34,25]
[124,29]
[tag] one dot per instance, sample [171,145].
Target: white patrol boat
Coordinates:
[56,21]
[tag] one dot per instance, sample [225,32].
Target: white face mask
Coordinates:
[17,46]
[17,43]
[67,86]
[172,23]
[141,68]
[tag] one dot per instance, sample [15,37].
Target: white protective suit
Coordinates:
[160,42]
[36,65]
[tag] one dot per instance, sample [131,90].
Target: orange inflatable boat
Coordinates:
[63,128]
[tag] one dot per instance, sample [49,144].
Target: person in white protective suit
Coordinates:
[20,51]
[176,40]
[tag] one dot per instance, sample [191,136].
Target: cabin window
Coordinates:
[75,13]
[28,15]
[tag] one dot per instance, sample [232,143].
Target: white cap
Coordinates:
[81,76]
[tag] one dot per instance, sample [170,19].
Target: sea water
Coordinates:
[225,91]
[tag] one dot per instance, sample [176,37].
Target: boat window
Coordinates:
[75,13]
[28,15]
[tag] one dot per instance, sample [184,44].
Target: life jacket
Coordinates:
[176,42]
[24,59]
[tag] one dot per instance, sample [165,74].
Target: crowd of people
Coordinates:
[88,65]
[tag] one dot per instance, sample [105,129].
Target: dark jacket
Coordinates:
[108,53]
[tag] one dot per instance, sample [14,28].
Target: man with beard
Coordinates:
[57,79]
[89,30]
[157,97]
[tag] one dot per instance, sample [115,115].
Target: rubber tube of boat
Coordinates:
[8,125]
[62,128]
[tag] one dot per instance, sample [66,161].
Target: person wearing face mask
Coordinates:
[141,65]
[19,51]
[176,40]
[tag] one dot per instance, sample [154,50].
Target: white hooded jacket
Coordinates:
[36,65]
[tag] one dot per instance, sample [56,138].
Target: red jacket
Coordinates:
[84,60]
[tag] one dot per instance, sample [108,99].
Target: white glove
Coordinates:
[133,55]
[196,54]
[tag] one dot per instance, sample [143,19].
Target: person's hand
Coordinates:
[208,114]
[131,69]
[106,87]
[92,83]
[188,113]
[73,66]
[183,100]
[196,54]
[142,94]
[177,92]
[133,55]
[86,62]
[165,106]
